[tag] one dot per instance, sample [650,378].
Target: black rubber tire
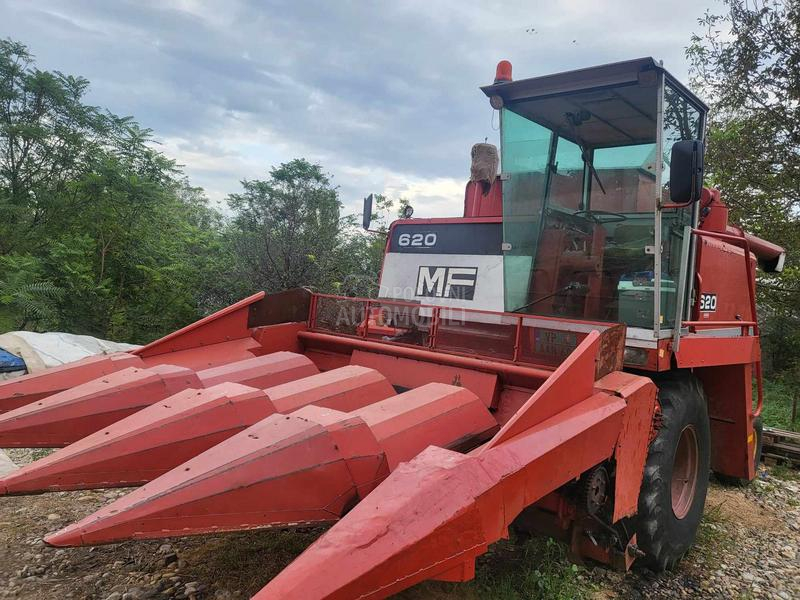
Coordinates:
[758,428]
[663,537]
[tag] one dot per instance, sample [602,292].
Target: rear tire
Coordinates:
[675,480]
[758,427]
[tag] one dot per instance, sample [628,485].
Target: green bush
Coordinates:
[779,393]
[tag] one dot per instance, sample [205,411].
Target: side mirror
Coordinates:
[366,217]
[686,171]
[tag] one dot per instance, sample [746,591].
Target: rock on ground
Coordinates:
[748,547]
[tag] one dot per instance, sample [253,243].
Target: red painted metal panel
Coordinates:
[707,351]
[568,385]
[274,338]
[639,394]
[306,467]
[721,270]
[30,388]
[204,357]
[227,324]
[260,371]
[729,390]
[158,438]
[445,508]
[327,361]
[77,412]
[480,204]
[521,373]
[409,373]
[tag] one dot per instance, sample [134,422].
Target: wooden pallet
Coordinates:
[781,447]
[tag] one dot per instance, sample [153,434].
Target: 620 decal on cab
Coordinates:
[417,240]
[708,302]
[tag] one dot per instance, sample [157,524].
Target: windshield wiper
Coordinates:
[592,169]
[575,120]
[567,288]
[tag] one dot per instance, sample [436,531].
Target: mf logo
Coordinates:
[447,282]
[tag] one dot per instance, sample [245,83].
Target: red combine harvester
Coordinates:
[571,357]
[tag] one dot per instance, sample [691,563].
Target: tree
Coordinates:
[47,137]
[364,250]
[746,63]
[102,234]
[99,232]
[287,229]
[25,297]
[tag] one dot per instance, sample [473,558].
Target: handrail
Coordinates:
[719,323]
[455,359]
[601,325]
[744,325]
[744,244]
[368,305]
[741,242]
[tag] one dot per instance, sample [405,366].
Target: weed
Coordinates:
[778,397]
[536,568]
[784,473]
[711,536]
[515,569]
[246,560]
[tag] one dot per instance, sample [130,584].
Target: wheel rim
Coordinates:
[684,472]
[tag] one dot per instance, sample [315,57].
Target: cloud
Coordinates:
[384,95]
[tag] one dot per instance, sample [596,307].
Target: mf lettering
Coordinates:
[447,282]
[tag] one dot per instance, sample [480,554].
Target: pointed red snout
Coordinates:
[160,437]
[68,416]
[307,467]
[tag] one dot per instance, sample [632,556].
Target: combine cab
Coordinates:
[571,357]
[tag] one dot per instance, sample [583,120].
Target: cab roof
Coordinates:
[602,76]
[621,99]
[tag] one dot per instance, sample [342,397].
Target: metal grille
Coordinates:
[480,334]
[338,315]
[510,337]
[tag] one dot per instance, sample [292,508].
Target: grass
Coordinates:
[541,570]
[785,473]
[711,536]
[515,569]
[244,561]
[778,397]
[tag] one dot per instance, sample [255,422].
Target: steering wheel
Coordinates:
[601,216]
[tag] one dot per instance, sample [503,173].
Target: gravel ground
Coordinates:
[747,548]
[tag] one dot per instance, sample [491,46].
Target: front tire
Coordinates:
[675,480]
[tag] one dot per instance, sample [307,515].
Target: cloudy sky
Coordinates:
[383,94]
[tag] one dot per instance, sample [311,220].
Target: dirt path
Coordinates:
[747,548]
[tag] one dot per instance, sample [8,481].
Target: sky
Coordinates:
[384,95]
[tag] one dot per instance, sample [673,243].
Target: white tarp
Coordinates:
[6,464]
[43,350]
